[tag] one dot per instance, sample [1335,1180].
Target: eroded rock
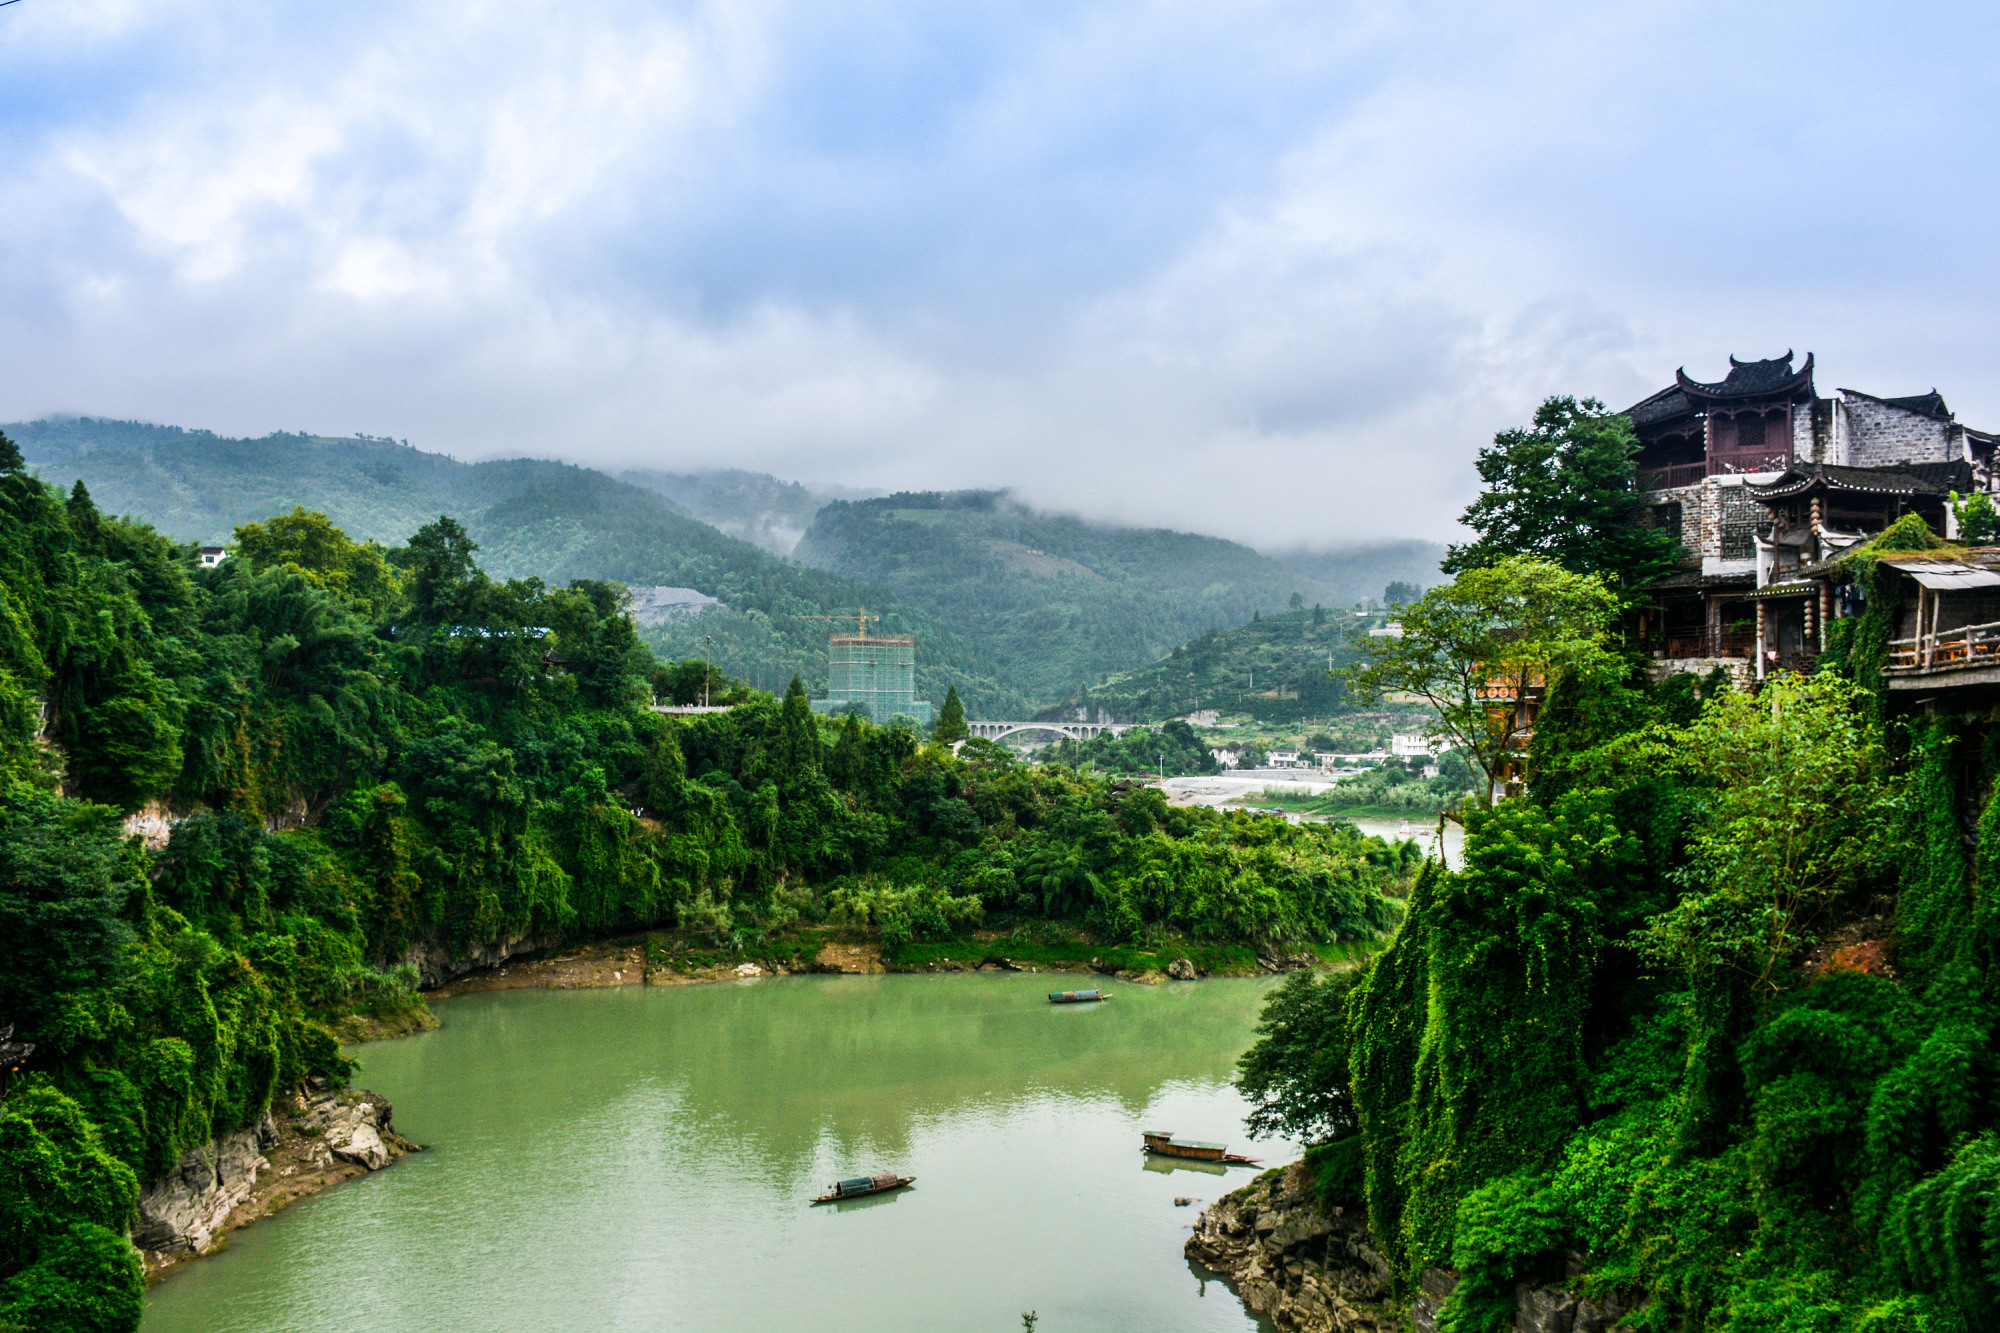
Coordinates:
[1181,969]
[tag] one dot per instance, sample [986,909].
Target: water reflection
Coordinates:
[645,1159]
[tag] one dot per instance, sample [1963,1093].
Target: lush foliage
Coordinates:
[1278,668]
[1481,647]
[373,760]
[1709,1018]
[1170,750]
[1562,490]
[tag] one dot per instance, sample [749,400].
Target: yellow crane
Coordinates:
[859,616]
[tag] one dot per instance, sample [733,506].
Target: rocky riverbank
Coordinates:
[1314,1270]
[318,1138]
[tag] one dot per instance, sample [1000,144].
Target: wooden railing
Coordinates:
[1666,478]
[1946,649]
[1706,643]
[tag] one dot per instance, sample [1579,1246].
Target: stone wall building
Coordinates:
[1763,481]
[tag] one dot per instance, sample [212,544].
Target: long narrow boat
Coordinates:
[864,1185]
[1077,996]
[1166,1145]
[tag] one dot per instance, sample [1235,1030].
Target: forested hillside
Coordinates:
[1705,1034]
[1062,601]
[1277,668]
[1354,574]
[752,505]
[367,756]
[532,519]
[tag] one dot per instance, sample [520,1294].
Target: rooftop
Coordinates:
[1752,379]
[1913,479]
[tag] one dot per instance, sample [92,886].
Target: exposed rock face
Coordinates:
[1181,969]
[186,1208]
[435,965]
[1304,1270]
[328,1137]
[1312,1271]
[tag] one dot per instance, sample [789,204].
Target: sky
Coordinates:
[1273,271]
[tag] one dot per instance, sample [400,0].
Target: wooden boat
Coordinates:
[1077,996]
[861,1186]
[1166,1145]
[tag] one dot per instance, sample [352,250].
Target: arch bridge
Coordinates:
[1076,731]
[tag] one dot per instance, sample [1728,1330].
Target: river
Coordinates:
[641,1159]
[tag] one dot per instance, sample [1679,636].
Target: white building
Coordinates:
[1282,759]
[1224,758]
[1414,745]
[211,556]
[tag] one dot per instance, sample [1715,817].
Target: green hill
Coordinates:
[1063,602]
[1273,669]
[755,506]
[531,518]
[1354,573]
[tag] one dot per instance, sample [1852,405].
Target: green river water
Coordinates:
[642,1159]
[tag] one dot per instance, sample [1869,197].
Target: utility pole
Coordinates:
[707,646]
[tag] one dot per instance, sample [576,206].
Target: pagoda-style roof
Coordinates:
[1665,405]
[1750,380]
[1929,480]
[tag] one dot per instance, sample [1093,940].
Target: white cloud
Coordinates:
[1272,270]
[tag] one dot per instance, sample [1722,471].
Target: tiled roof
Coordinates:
[1752,379]
[1665,405]
[1695,579]
[1923,404]
[1928,479]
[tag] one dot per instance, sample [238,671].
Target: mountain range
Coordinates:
[1017,608]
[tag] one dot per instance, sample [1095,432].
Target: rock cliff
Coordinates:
[1314,1270]
[320,1139]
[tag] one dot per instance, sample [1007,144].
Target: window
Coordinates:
[1668,516]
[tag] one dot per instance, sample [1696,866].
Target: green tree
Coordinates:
[310,543]
[1798,799]
[1563,490]
[10,456]
[444,576]
[950,720]
[1483,647]
[1295,1075]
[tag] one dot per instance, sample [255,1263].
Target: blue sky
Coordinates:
[1269,270]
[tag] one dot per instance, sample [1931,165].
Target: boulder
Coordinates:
[1181,969]
[185,1209]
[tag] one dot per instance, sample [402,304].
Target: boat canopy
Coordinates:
[857,1184]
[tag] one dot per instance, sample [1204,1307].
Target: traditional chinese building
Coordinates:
[1764,481]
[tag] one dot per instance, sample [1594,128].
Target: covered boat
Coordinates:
[861,1185]
[1076,996]
[1164,1143]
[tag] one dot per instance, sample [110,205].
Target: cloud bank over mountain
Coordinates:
[1268,270]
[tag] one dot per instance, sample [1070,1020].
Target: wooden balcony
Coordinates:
[1710,643]
[1968,655]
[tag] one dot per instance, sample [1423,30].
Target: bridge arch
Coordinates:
[1076,731]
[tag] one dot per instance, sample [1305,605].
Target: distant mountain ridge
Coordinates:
[1063,601]
[755,506]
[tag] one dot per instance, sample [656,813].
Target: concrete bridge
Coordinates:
[1076,731]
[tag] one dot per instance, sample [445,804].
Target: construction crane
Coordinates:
[859,616]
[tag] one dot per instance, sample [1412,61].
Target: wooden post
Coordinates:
[1760,641]
[1811,638]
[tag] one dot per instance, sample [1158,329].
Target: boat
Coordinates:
[1166,1145]
[860,1186]
[1077,996]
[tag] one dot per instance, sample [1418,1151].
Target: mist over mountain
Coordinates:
[755,506]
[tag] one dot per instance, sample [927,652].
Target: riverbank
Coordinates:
[667,959]
[314,1140]
[1308,1268]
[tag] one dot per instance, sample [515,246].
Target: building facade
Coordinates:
[880,674]
[1764,481]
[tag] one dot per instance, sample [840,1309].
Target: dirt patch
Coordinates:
[574,969]
[1860,945]
[852,958]
[353,1029]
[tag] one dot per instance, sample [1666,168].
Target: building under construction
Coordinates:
[878,673]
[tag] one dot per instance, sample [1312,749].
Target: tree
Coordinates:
[1799,803]
[440,557]
[1482,649]
[1564,490]
[1295,1076]
[950,720]
[10,456]
[1400,593]
[309,542]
